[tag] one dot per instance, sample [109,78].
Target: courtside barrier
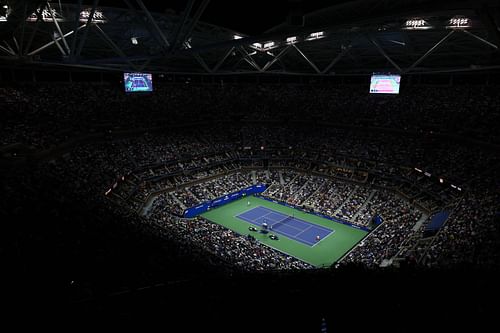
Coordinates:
[202,208]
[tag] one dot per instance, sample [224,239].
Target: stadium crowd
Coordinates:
[350,172]
[43,116]
[469,235]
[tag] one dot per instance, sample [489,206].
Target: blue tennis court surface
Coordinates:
[291,227]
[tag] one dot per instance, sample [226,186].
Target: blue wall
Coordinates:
[202,208]
[437,221]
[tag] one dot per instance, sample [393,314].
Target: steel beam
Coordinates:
[115,47]
[16,44]
[199,59]
[307,59]
[337,59]
[153,22]
[75,28]
[23,31]
[487,16]
[164,69]
[202,62]
[7,51]
[87,28]
[181,24]
[142,22]
[58,28]
[53,41]
[429,52]
[221,61]
[480,39]
[38,19]
[276,58]
[195,20]
[9,47]
[58,46]
[48,63]
[251,64]
[384,54]
[248,58]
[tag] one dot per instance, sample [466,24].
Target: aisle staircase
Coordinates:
[346,200]
[370,196]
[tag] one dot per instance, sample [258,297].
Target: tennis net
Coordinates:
[280,222]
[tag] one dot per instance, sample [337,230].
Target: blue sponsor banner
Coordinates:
[317,214]
[202,208]
[437,221]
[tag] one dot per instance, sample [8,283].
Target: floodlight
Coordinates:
[269,45]
[316,35]
[416,24]
[459,22]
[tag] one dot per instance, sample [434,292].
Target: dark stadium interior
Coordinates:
[97,180]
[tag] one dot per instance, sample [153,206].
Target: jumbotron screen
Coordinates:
[137,82]
[385,84]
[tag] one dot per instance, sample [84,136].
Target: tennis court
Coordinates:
[286,225]
[297,230]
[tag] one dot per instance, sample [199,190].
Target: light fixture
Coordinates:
[459,22]
[416,24]
[316,35]
[269,45]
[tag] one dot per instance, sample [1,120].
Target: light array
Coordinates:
[416,24]
[316,35]
[46,16]
[97,18]
[441,180]
[455,22]
[459,22]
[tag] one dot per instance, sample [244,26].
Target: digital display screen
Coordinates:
[385,84]
[138,82]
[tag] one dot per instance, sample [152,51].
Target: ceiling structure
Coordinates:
[355,37]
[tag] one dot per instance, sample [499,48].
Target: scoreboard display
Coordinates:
[385,84]
[138,82]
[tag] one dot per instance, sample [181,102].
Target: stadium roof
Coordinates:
[353,37]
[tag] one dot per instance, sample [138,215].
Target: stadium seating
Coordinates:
[366,166]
